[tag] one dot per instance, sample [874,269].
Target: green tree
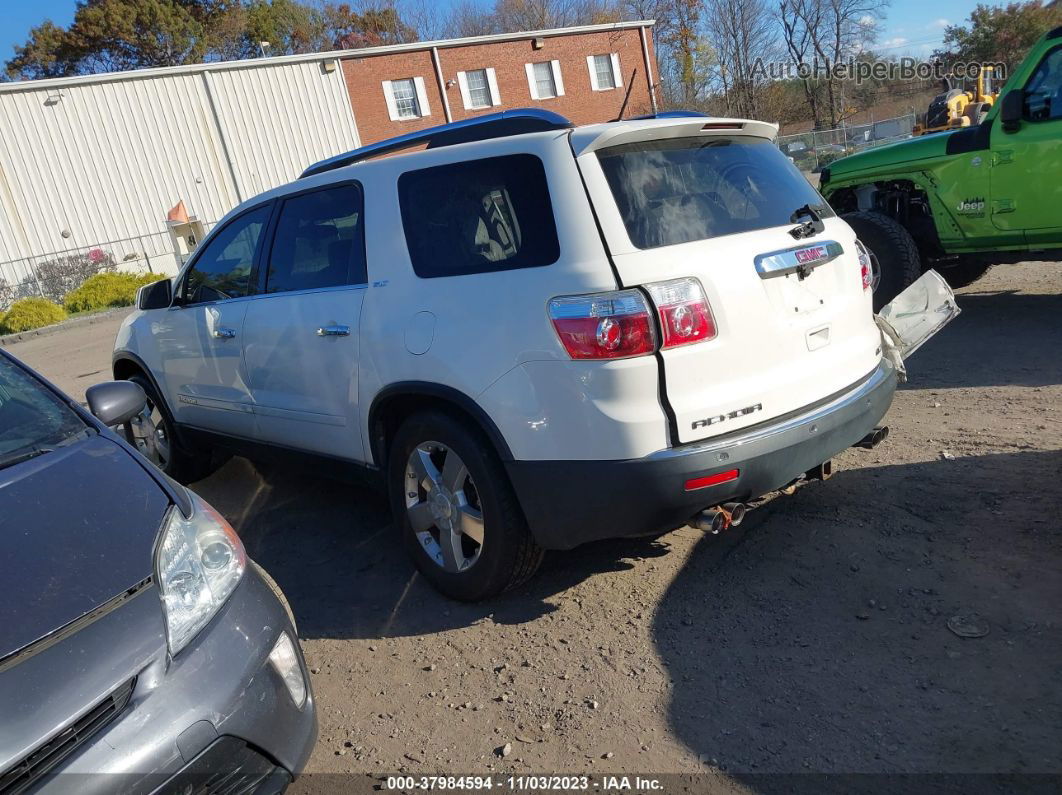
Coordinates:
[998,34]
[47,53]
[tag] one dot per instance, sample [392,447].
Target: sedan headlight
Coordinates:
[199,561]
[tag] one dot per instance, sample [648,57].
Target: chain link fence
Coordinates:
[55,274]
[813,151]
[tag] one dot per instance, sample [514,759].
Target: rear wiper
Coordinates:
[808,228]
[25,455]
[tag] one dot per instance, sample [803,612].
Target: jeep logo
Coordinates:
[724,417]
[976,205]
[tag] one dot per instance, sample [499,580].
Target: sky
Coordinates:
[912,27]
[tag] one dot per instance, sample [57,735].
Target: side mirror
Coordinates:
[115,402]
[155,296]
[1012,110]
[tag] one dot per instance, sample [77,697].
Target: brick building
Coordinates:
[589,74]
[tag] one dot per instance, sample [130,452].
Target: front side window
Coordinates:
[478,216]
[33,420]
[604,78]
[545,86]
[318,241]
[682,189]
[478,88]
[223,269]
[1043,93]
[405,95]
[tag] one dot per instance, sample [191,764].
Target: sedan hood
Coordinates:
[77,529]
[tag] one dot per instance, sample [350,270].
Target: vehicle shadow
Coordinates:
[978,348]
[333,550]
[816,637]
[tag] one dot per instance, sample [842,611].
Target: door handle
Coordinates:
[333,331]
[223,333]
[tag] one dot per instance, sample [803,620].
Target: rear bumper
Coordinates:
[568,503]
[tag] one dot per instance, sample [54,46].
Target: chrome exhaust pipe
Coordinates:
[712,520]
[737,511]
[874,438]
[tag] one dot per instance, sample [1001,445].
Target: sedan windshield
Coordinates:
[681,189]
[33,420]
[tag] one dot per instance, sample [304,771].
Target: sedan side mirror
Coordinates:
[155,296]
[1013,109]
[115,402]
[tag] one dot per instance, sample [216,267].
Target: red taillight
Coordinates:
[604,325]
[712,480]
[685,316]
[865,269]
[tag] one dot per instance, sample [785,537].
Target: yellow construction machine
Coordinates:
[960,107]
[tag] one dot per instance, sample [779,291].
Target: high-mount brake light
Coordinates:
[685,316]
[865,269]
[613,325]
[723,125]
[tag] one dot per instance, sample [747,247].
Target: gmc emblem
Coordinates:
[724,417]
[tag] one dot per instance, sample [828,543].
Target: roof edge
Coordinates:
[329,55]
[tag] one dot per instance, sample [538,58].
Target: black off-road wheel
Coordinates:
[895,262]
[162,447]
[456,510]
[966,270]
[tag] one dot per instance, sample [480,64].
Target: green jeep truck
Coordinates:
[962,201]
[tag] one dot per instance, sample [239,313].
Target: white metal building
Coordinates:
[98,160]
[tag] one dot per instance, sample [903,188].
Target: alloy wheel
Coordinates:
[443,507]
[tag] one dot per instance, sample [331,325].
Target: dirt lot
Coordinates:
[814,638]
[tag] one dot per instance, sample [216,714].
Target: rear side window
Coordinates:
[223,270]
[682,189]
[319,241]
[478,216]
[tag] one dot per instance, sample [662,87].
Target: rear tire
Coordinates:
[964,272]
[892,249]
[183,465]
[444,475]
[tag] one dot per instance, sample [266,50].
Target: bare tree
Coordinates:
[798,20]
[741,32]
[836,30]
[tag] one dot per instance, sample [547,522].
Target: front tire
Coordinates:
[893,254]
[456,510]
[164,449]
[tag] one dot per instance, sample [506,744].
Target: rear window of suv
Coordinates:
[478,216]
[683,189]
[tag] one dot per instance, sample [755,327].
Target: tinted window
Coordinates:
[223,270]
[318,242]
[478,216]
[1043,93]
[32,418]
[683,189]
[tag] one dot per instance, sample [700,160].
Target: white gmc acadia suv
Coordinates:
[538,334]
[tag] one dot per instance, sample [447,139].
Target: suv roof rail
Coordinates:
[494,125]
[673,114]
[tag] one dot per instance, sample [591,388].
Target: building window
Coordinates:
[406,98]
[544,80]
[604,71]
[405,94]
[479,88]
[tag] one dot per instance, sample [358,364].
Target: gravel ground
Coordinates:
[815,638]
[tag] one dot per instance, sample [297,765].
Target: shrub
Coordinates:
[59,276]
[106,290]
[31,313]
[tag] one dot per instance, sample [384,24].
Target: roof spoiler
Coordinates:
[599,136]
